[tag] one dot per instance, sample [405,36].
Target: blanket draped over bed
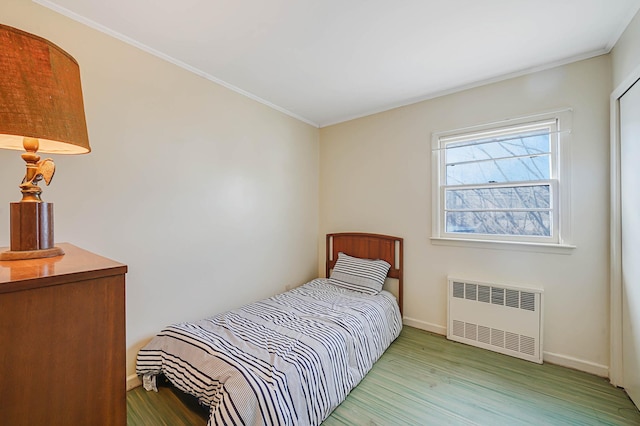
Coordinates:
[287,360]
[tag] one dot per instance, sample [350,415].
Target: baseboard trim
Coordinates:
[422,325]
[576,364]
[550,357]
[133,381]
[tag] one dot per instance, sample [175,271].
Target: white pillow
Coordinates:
[363,275]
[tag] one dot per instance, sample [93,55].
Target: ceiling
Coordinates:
[328,61]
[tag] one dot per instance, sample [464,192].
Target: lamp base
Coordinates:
[31,231]
[31,254]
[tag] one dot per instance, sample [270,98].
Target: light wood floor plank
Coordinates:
[425,379]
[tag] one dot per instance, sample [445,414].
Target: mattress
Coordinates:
[287,360]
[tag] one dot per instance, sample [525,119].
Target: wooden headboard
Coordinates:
[368,246]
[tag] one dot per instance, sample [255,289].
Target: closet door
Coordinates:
[630,212]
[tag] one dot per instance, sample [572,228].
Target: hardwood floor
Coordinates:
[424,379]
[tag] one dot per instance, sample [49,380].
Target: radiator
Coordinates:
[500,318]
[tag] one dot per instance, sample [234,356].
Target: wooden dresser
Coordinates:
[62,340]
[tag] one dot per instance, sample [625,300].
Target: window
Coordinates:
[502,182]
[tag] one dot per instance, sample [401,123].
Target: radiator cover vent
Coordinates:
[501,318]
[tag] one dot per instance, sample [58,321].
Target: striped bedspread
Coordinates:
[287,360]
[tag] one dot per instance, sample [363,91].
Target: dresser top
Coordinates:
[75,264]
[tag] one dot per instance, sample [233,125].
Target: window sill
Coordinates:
[505,245]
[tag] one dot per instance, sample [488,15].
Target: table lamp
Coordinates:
[41,109]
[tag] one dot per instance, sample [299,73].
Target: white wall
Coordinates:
[375,177]
[210,198]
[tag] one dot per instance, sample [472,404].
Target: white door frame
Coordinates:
[615,362]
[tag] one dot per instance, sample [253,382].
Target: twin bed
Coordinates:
[290,359]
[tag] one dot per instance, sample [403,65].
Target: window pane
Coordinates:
[505,170]
[500,223]
[508,158]
[530,143]
[501,181]
[515,197]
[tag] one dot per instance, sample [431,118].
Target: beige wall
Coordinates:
[626,71]
[194,186]
[375,176]
[209,197]
[625,56]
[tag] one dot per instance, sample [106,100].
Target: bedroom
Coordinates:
[264,178]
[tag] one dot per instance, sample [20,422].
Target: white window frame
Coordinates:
[559,181]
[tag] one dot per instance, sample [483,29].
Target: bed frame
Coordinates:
[368,246]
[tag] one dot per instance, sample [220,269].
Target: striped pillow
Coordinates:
[363,275]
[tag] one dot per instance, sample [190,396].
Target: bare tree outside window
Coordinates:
[499,185]
[504,182]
